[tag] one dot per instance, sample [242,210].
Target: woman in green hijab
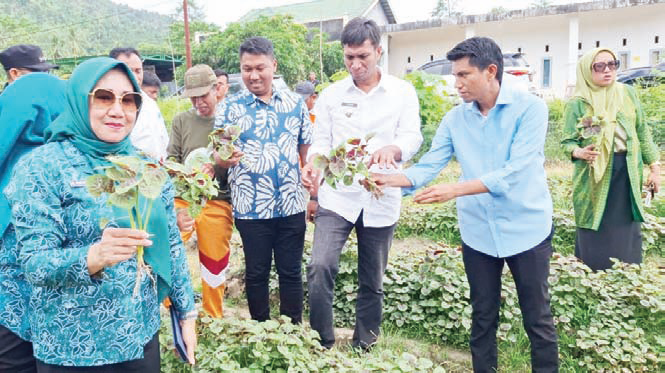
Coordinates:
[87,312]
[609,143]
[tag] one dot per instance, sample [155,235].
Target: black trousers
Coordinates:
[15,353]
[285,237]
[149,363]
[530,270]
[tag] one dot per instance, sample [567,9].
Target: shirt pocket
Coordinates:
[346,121]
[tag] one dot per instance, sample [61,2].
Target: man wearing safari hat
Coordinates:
[215,223]
[23,59]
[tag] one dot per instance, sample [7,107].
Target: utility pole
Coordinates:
[188,47]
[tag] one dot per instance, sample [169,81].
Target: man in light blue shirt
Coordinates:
[503,203]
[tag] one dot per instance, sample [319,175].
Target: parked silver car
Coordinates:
[516,71]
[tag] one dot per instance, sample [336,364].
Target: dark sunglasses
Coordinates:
[599,67]
[104,98]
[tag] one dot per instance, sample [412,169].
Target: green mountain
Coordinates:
[80,27]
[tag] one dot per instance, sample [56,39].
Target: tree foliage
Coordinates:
[78,28]
[296,48]
[446,8]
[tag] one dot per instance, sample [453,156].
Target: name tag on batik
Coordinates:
[77,183]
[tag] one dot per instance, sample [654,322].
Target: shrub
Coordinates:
[653,103]
[172,106]
[434,104]
[553,148]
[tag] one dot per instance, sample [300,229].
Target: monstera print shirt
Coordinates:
[77,319]
[266,183]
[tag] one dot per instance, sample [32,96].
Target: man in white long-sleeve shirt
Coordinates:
[149,134]
[368,101]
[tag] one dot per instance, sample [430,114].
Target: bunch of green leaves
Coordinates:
[346,161]
[589,127]
[123,181]
[233,345]
[222,141]
[191,184]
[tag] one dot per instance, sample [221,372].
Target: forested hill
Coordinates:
[66,28]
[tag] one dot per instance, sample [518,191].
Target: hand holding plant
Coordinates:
[345,162]
[124,180]
[192,184]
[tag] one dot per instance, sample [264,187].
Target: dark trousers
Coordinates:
[285,237]
[530,270]
[330,235]
[15,353]
[149,363]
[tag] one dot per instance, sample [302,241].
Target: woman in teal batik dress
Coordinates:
[84,314]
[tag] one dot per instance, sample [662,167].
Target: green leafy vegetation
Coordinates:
[434,104]
[124,181]
[297,49]
[233,345]
[191,184]
[79,27]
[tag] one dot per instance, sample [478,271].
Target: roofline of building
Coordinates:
[387,10]
[385,4]
[517,14]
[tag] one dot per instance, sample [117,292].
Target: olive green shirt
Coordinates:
[589,197]
[189,132]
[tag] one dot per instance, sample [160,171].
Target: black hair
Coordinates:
[151,79]
[360,29]
[257,45]
[481,51]
[124,51]
[220,72]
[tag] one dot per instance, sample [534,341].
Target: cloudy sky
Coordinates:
[222,12]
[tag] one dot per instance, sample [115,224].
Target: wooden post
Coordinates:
[188,47]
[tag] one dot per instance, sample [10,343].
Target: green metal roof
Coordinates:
[320,9]
[149,59]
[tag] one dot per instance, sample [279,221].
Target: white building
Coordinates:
[552,38]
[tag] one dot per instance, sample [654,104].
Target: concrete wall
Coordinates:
[639,25]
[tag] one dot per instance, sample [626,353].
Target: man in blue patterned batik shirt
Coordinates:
[264,175]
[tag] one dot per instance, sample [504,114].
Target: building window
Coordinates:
[431,57]
[624,57]
[656,56]
[547,48]
[624,42]
[579,46]
[547,72]
[597,43]
[655,39]
[519,50]
[408,59]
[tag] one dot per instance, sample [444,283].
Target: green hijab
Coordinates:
[74,125]
[602,101]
